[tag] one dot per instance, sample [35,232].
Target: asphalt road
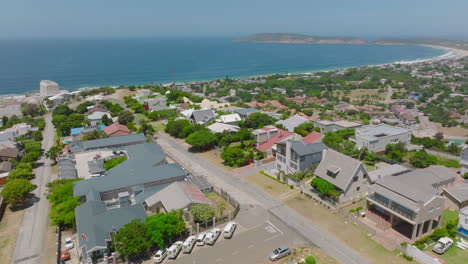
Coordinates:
[247,193]
[31,237]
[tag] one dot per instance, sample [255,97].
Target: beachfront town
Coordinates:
[356,166]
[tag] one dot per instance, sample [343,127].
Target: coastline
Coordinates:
[451,54]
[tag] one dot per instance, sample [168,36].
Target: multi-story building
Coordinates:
[411,203]
[376,138]
[49,88]
[293,156]
[331,126]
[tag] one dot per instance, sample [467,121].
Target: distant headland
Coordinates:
[289,38]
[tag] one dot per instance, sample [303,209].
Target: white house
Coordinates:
[221,127]
[48,88]
[463,222]
[96,117]
[376,138]
[232,119]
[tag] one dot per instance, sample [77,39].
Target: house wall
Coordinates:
[309,161]
[118,134]
[463,220]
[380,144]
[356,189]
[285,163]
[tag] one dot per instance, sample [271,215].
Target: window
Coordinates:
[364,176]
[302,158]
[355,179]
[358,188]
[293,156]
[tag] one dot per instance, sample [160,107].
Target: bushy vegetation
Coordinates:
[15,191]
[64,119]
[109,164]
[63,203]
[104,90]
[422,159]
[257,120]
[324,187]
[202,212]
[201,140]
[162,114]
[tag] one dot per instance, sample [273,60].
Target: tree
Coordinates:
[132,239]
[53,153]
[201,139]
[105,120]
[304,129]
[164,226]
[15,191]
[439,136]
[32,109]
[233,156]
[31,156]
[395,151]
[20,173]
[125,117]
[32,146]
[421,159]
[63,204]
[454,149]
[4,120]
[83,107]
[202,212]
[176,128]
[146,128]
[257,120]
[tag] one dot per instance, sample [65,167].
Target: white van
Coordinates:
[201,239]
[174,250]
[212,236]
[229,229]
[189,244]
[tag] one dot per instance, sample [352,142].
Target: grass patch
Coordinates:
[448,216]
[109,164]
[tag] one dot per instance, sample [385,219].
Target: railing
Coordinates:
[390,205]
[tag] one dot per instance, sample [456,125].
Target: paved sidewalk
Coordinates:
[246,193]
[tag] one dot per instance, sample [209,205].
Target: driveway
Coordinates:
[246,193]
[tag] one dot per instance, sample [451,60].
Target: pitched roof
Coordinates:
[230,118]
[221,127]
[5,166]
[203,116]
[303,149]
[343,166]
[459,192]
[312,137]
[67,169]
[282,135]
[96,223]
[394,169]
[116,127]
[98,115]
[246,111]
[111,142]
[292,122]
[178,195]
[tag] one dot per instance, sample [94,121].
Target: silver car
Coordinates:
[280,252]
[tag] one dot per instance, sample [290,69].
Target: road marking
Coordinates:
[270,229]
[274,227]
[268,239]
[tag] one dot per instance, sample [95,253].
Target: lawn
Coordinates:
[267,184]
[454,255]
[219,202]
[448,216]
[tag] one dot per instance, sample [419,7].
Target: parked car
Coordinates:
[69,243]
[442,245]
[201,239]
[174,250]
[212,236]
[65,255]
[188,245]
[229,229]
[160,255]
[280,252]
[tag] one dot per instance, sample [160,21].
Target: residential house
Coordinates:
[411,203]
[198,116]
[376,138]
[464,159]
[77,133]
[176,196]
[331,126]
[15,131]
[112,142]
[8,150]
[208,104]
[221,127]
[117,130]
[391,170]
[457,196]
[292,122]
[463,222]
[313,137]
[156,104]
[67,167]
[348,175]
[97,108]
[3,181]
[11,110]
[96,117]
[293,156]
[244,112]
[5,166]
[232,119]
[268,136]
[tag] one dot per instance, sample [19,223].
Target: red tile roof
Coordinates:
[282,135]
[312,138]
[109,130]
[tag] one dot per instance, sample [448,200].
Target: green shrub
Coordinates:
[268,175]
[409,258]
[202,212]
[324,187]
[310,260]
[109,164]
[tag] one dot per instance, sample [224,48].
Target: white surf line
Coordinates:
[275,227]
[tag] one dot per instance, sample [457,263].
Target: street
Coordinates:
[30,240]
[246,193]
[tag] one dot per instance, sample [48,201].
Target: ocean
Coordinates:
[89,63]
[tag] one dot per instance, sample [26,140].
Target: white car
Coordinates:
[160,255]
[442,245]
[69,243]
[212,236]
[174,250]
[201,239]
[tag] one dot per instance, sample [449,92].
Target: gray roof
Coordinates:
[178,195]
[370,132]
[67,169]
[96,222]
[246,111]
[96,166]
[292,122]
[464,155]
[112,142]
[303,149]
[5,166]
[414,187]
[203,116]
[459,192]
[344,165]
[143,166]
[394,169]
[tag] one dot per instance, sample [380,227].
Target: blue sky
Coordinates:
[187,18]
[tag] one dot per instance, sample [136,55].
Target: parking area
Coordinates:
[257,234]
[74,251]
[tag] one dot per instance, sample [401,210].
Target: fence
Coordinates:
[355,219]
[59,243]
[200,227]
[420,256]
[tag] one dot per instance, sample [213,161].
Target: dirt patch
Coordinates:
[120,94]
[301,253]
[9,228]
[452,131]
[50,248]
[214,156]
[274,188]
[357,95]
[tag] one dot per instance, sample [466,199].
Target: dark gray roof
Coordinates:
[303,149]
[96,166]
[394,169]
[459,192]
[112,142]
[67,169]
[203,116]
[246,111]
[414,187]
[96,222]
[464,155]
[143,166]
[292,122]
[345,167]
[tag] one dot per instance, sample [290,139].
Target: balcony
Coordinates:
[393,207]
